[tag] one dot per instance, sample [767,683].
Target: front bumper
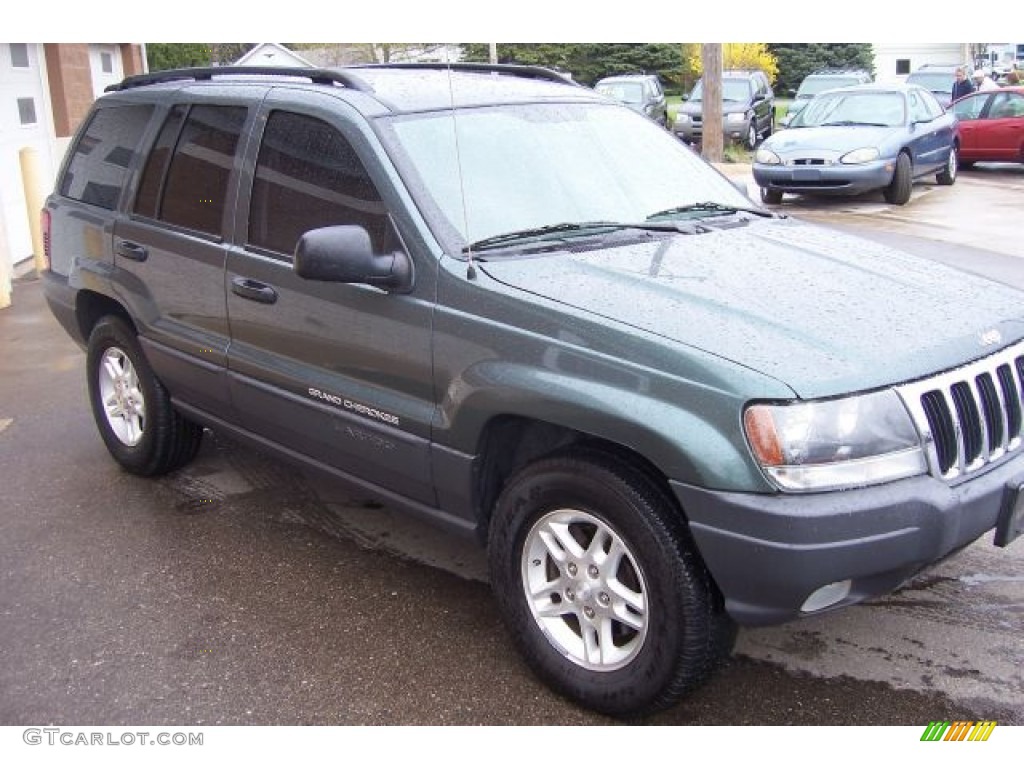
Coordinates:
[835,179]
[692,133]
[769,553]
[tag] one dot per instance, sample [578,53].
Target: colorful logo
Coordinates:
[961,730]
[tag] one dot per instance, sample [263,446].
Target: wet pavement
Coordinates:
[237,591]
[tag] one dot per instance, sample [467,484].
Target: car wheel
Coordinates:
[898,191]
[132,410]
[947,175]
[771,196]
[601,587]
[751,141]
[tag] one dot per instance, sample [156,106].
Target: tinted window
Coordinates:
[99,163]
[147,199]
[195,192]
[308,176]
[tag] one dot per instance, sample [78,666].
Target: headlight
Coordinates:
[829,444]
[766,157]
[865,155]
[682,118]
[736,117]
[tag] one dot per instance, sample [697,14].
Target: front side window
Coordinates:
[98,165]
[970,108]
[308,176]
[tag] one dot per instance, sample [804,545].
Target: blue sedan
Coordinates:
[858,139]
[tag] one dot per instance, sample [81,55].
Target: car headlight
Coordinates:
[767,157]
[682,118]
[829,444]
[864,155]
[736,117]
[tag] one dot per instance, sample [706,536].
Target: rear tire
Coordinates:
[601,586]
[898,191]
[132,410]
[947,176]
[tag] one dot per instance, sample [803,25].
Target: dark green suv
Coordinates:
[748,109]
[497,300]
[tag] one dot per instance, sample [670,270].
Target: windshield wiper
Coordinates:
[572,229]
[710,207]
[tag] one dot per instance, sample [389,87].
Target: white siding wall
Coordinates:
[887,55]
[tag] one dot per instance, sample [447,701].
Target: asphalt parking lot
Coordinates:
[237,591]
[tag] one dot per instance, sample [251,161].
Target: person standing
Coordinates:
[984,82]
[961,86]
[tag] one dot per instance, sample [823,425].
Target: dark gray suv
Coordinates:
[748,109]
[496,300]
[641,93]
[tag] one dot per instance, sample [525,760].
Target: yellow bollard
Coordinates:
[29,158]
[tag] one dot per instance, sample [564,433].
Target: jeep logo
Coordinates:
[988,338]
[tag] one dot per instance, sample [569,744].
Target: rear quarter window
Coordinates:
[98,165]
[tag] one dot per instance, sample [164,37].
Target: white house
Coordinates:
[271,55]
[45,92]
[894,61]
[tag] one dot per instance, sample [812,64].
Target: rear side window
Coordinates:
[308,176]
[185,181]
[98,165]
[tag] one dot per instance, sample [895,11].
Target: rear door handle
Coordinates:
[253,290]
[132,251]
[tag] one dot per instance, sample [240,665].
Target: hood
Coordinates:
[823,312]
[837,139]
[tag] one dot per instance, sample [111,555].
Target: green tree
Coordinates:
[588,62]
[797,60]
[161,56]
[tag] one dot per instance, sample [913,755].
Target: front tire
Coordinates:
[771,196]
[132,410]
[751,140]
[601,587]
[898,191]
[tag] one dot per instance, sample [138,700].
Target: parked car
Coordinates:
[497,300]
[857,139]
[823,80]
[938,78]
[748,109]
[991,126]
[641,93]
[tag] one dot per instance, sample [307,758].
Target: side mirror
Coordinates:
[344,254]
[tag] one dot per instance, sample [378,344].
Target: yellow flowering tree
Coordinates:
[736,56]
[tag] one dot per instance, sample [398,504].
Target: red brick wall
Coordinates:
[67,67]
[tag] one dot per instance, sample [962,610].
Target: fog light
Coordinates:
[825,596]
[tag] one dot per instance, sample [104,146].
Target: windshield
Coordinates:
[525,166]
[815,85]
[933,81]
[630,93]
[732,90]
[860,108]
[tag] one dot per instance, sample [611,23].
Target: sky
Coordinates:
[477,21]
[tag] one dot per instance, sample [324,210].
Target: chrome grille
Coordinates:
[970,417]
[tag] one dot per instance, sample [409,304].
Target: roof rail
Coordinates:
[321,76]
[516,70]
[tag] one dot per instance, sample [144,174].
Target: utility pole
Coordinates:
[712,138]
[494,53]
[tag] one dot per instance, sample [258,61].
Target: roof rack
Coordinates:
[517,70]
[320,76]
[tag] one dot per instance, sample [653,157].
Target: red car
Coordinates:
[991,126]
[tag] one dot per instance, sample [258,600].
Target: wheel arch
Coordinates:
[91,306]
